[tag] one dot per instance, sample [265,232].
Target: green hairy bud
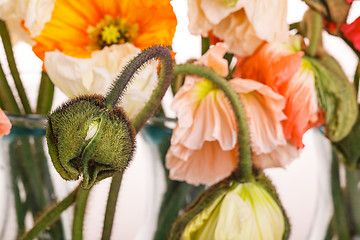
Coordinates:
[336,96]
[85,137]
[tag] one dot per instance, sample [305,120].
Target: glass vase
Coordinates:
[28,183]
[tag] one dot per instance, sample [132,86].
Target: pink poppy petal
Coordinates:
[206,166]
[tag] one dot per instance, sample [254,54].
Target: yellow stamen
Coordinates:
[111,31]
[110,34]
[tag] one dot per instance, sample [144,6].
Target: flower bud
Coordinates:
[336,96]
[84,137]
[247,210]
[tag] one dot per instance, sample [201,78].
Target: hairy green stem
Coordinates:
[111,206]
[315,34]
[49,216]
[340,219]
[46,95]
[352,181]
[80,206]
[245,164]
[147,111]
[6,96]
[12,65]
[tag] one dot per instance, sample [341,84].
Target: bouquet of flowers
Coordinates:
[242,107]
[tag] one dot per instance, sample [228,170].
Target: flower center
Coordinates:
[230,3]
[111,31]
[204,87]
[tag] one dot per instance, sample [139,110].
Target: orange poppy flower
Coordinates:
[284,70]
[77,28]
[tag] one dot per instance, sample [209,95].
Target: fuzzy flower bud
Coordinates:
[243,211]
[84,137]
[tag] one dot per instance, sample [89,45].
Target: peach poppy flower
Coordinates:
[5,124]
[204,143]
[284,70]
[243,25]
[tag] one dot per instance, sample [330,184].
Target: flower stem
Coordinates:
[245,165]
[357,78]
[46,95]
[205,45]
[12,65]
[315,32]
[111,206]
[49,216]
[148,110]
[6,96]
[340,219]
[78,222]
[352,180]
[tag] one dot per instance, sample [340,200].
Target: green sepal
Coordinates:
[336,97]
[204,200]
[108,151]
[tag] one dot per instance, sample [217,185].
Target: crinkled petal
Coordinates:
[214,59]
[238,34]
[264,110]
[267,220]
[269,19]
[301,117]
[281,156]
[232,215]
[198,23]
[216,11]
[211,119]
[208,165]
[79,76]
[286,73]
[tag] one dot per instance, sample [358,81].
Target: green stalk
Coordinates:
[357,78]
[6,96]
[111,205]
[340,219]
[146,112]
[46,95]
[32,172]
[81,200]
[244,171]
[19,205]
[12,65]
[315,32]
[205,45]
[352,181]
[49,216]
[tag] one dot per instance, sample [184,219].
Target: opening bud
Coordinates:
[246,210]
[84,137]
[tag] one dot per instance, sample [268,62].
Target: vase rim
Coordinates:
[29,121]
